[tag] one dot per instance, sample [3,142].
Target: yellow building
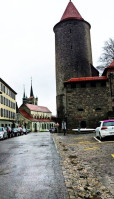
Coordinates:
[7,104]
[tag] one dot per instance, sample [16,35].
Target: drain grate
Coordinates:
[43,145]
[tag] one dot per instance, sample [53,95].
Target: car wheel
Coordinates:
[97,136]
[100,137]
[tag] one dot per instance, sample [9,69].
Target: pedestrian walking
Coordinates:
[64,127]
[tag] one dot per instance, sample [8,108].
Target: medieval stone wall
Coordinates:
[88,102]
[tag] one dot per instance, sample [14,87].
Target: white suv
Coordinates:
[105,128]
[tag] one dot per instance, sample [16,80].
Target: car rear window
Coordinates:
[111,123]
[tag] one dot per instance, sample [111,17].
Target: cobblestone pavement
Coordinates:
[87,164]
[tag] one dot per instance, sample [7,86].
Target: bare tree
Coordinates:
[108,54]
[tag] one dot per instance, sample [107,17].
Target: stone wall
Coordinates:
[87,102]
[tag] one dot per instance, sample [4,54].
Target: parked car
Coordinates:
[44,130]
[53,130]
[15,132]
[24,131]
[3,133]
[105,128]
[20,131]
[9,131]
[28,130]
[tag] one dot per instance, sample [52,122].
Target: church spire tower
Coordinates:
[31,99]
[24,93]
[24,97]
[31,90]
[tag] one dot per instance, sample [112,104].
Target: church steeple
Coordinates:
[31,99]
[24,97]
[24,93]
[31,90]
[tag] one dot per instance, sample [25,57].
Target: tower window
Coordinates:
[103,84]
[73,85]
[83,85]
[93,84]
[80,109]
[98,109]
[70,31]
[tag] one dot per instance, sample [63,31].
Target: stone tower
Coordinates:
[73,52]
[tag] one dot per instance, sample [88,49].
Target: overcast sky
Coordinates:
[27,42]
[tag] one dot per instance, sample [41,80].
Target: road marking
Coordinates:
[91,148]
[55,144]
[78,138]
[97,139]
[112,155]
[87,142]
[84,142]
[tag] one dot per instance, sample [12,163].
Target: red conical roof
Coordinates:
[71,12]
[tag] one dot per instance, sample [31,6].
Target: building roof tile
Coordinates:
[26,115]
[38,108]
[71,12]
[86,79]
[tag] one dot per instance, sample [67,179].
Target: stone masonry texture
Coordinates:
[73,51]
[91,104]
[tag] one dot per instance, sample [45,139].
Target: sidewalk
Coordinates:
[79,178]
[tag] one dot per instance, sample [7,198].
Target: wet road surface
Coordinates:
[29,168]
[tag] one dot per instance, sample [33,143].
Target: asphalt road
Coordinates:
[30,169]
